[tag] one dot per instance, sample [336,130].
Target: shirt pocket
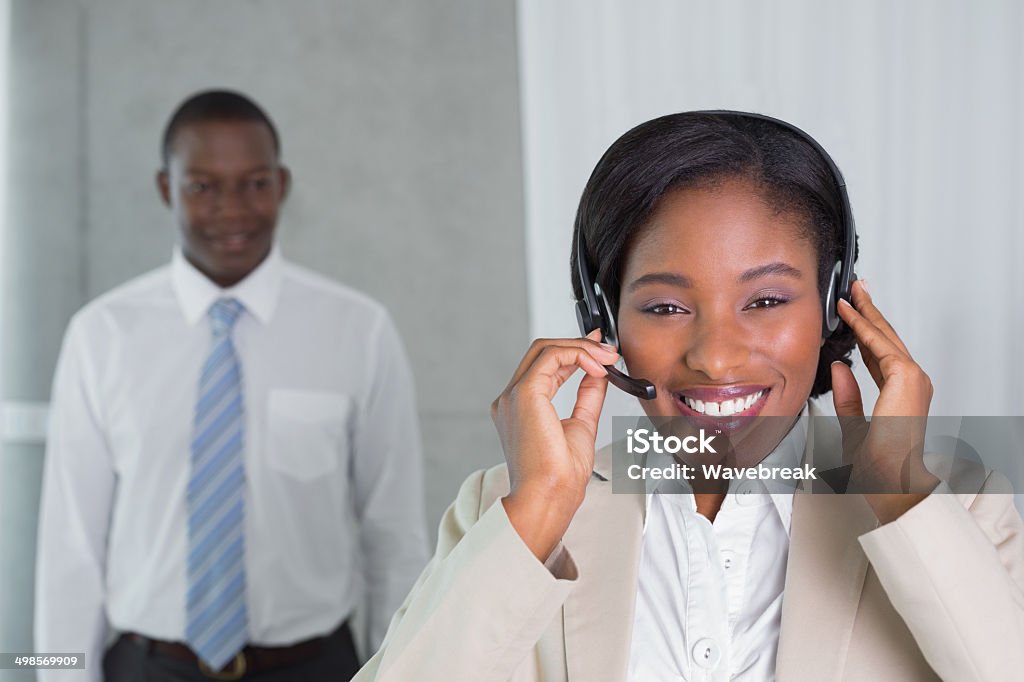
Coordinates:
[307,431]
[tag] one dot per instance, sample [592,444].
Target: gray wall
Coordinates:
[41,273]
[400,123]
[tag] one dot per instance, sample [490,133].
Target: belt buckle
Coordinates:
[236,671]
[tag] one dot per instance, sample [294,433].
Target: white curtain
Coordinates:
[920,102]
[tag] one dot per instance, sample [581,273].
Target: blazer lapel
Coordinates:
[825,574]
[604,540]
[824,577]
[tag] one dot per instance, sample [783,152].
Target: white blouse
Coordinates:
[709,595]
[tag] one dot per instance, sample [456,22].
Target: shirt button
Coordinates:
[728,559]
[746,493]
[705,653]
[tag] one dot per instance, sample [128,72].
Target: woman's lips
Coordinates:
[721,402]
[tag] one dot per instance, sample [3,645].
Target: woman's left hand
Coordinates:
[886,453]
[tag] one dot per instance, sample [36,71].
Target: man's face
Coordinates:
[224,186]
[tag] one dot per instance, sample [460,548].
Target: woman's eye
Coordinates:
[197,187]
[767,302]
[665,309]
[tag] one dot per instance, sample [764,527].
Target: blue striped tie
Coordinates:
[216,616]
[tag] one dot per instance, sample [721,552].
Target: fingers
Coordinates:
[875,347]
[864,304]
[849,408]
[845,392]
[554,366]
[877,340]
[551,367]
[549,363]
[602,354]
[886,358]
[589,400]
[871,363]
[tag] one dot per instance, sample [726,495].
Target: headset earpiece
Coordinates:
[584,320]
[603,320]
[608,328]
[594,312]
[830,319]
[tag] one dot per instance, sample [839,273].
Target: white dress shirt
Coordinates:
[334,500]
[709,595]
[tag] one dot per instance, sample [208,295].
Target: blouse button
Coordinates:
[747,493]
[705,653]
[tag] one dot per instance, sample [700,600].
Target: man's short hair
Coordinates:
[215,105]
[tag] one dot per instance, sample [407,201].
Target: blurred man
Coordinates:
[233,461]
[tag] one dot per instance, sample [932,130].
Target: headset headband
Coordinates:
[842,277]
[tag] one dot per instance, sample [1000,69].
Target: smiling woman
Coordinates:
[734,323]
[719,241]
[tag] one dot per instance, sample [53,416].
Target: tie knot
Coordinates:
[224,313]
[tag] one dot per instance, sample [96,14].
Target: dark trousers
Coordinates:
[129,661]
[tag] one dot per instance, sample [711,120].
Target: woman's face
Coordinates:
[719,306]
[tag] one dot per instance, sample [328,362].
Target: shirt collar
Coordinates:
[788,453]
[257,292]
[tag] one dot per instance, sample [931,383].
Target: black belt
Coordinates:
[249,661]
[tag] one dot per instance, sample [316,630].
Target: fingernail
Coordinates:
[609,347]
[864,284]
[843,301]
[837,362]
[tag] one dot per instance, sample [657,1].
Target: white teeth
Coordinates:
[725,408]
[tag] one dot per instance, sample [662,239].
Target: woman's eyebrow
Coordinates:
[676,279]
[776,268]
[670,278]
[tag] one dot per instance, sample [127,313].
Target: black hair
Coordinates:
[214,105]
[697,149]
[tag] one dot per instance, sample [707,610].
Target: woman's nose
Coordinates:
[718,347]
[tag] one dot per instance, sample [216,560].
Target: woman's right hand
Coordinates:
[550,460]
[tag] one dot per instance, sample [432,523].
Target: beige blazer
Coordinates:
[936,594]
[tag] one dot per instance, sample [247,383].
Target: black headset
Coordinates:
[593,311]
